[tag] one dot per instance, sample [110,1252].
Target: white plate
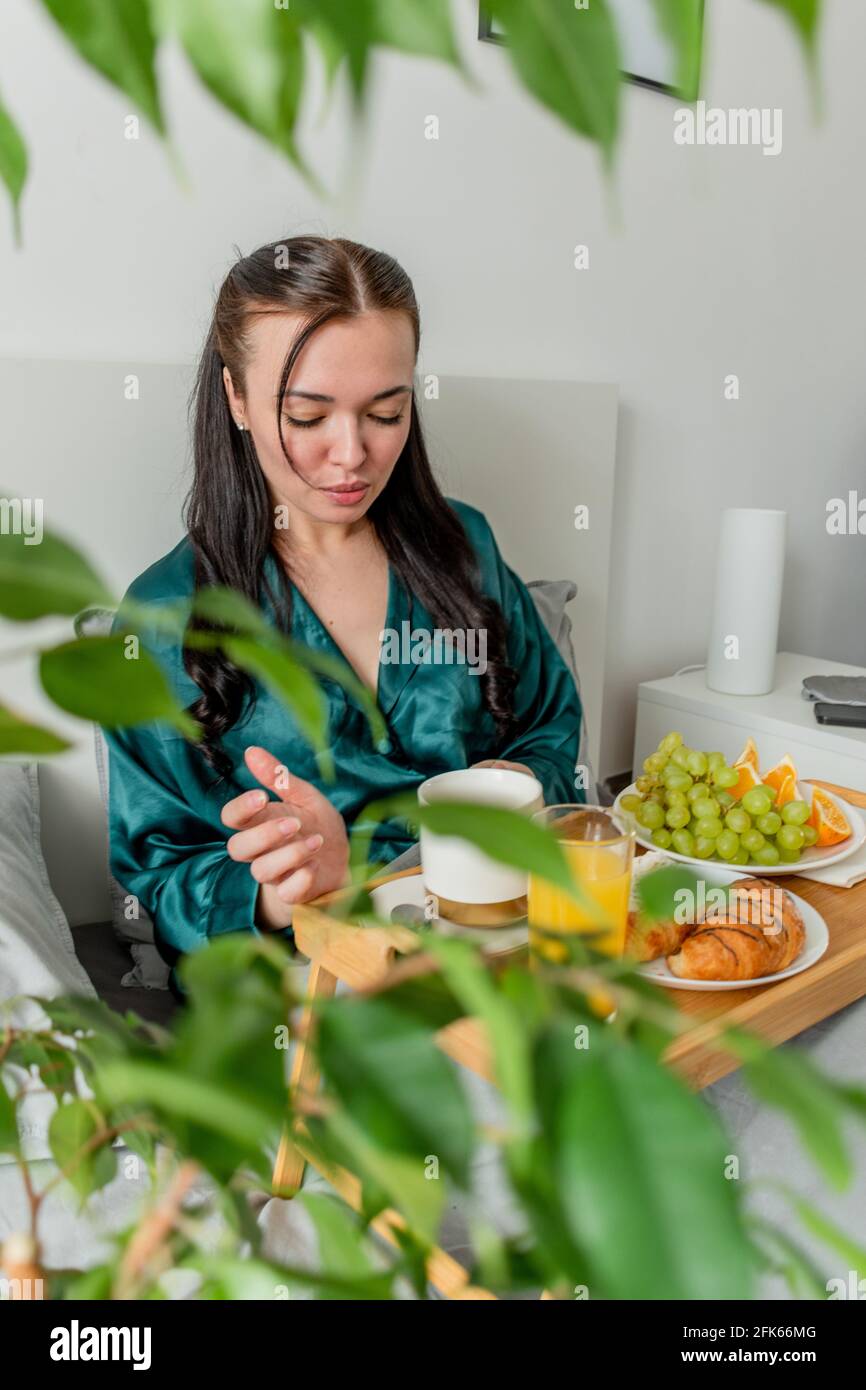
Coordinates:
[812,858]
[410,889]
[816,943]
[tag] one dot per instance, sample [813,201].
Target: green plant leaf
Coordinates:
[854,1097]
[638,1167]
[340,1233]
[219,604]
[234,978]
[231,1277]
[815,1221]
[285,662]
[13,166]
[353,27]
[28,1051]
[47,579]
[481,998]
[804,14]
[418,1198]
[250,57]
[681,23]
[421,27]
[9,1140]
[394,1081]
[71,1127]
[340,672]
[73,1014]
[91,677]
[91,1285]
[569,60]
[18,735]
[211,1105]
[788,1079]
[786,1258]
[117,38]
[657,891]
[507,836]
[291,683]
[332,53]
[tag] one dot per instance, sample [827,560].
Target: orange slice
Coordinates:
[748,778]
[748,756]
[787,790]
[828,819]
[776,776]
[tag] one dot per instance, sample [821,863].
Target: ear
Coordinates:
[235,401]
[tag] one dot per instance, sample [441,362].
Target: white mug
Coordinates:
[467,885]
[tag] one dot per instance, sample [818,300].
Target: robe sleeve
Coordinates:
[171,859]
[547,705]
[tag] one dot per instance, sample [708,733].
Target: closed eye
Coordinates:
[308,424]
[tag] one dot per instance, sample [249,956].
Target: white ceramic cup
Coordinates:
[468,885]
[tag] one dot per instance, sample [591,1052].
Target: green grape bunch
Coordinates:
[684,802]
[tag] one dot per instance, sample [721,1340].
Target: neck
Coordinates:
[308,538]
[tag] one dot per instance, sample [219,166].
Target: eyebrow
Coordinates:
[316,396]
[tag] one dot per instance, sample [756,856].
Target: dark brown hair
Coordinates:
[228,512]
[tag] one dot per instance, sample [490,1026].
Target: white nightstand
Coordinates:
[781,722]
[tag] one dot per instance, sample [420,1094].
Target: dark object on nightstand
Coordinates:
[847,716]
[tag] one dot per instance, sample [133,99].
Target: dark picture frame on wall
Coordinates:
[649,60]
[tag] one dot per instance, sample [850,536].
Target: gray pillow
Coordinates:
[37,954]
[550,597]
[150,970]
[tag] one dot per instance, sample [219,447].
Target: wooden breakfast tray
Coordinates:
[363,957]
[781,1011]
[373,957]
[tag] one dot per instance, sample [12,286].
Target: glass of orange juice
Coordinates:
[600,850]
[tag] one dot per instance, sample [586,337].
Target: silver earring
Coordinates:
[241,426]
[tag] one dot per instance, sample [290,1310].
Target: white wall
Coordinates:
[720,260]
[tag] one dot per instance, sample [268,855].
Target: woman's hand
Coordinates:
[296,847]
[509,767]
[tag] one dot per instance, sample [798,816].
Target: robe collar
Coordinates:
[307,627]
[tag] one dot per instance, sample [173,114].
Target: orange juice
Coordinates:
[599,854]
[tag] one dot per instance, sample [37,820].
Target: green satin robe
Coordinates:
[167,839]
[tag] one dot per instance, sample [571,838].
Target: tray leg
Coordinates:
[290,1162]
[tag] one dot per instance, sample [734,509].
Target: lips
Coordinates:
[346,496]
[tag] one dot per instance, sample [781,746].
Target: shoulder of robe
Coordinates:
[171,577]
[167,580]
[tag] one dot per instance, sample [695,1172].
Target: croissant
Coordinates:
[647,938]
[760,932]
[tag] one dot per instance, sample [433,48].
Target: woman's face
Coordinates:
[349,441]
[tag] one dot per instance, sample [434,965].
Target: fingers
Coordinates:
[239,811]
[272,773]
[248,844]
[298,887]
[270,868]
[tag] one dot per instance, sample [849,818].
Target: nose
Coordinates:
[347,448]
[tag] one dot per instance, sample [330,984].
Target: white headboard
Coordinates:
[104,444]
[529,454]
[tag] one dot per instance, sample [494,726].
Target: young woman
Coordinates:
[313,496]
